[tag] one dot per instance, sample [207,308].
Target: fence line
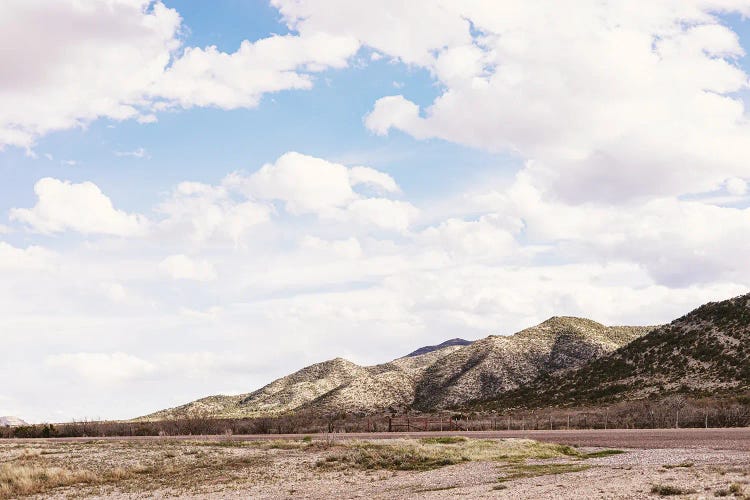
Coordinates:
[640,415]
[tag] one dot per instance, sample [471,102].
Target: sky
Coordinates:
[199,197]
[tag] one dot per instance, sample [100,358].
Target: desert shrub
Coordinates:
[444,440]
[602,453]
[668,490]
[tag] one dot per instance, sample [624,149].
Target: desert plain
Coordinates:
[689,463]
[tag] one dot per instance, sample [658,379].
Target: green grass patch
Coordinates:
[431,453]
[602,453]
[443,440]
[369,456]
[521,471]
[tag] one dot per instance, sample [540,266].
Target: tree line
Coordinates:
[669,412]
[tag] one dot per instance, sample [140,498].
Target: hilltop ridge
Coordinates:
[496,364]
[704,352]
[432,377]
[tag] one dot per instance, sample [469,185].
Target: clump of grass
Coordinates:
[29,454]
[280,444]
[564,449]
[734,489]
[229,443]
[515,449]
[369,456]
[681,464]
[17,480]
[243,461]
[443,440]
[432,453]
[436,488]
[669,490]
[601,453]
[521,471]
[307,439]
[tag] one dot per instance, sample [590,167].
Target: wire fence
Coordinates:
[666,413]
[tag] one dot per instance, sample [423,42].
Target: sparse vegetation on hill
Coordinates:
[704,357]
[703,353]
[497,364]
[325,388]
[428,379]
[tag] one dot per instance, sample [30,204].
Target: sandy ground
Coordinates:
[292,469]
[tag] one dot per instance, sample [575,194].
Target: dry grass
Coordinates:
[369,456]
[26,479]
[666,490]
[521,471]
[429,454]
[129,467]
[735,489]
[317,468]
[680,465]
[31,472]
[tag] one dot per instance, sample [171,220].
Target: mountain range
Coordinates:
[11,421]
[562,361]
[706,352]
[431,378]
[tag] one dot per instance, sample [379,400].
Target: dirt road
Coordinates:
[707,439]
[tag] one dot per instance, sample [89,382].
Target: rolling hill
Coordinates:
[705,352]
[497,364]
[332,386]
[430,378]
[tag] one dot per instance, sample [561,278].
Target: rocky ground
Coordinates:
[322,468]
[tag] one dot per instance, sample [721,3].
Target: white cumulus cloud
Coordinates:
[63,205]
[66,63]
[612,103]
